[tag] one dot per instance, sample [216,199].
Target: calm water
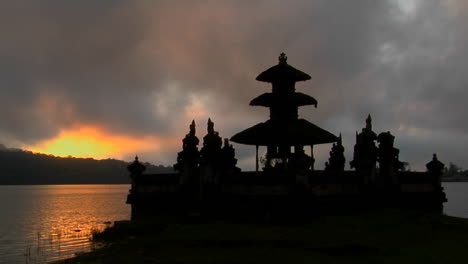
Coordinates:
[457,195]
[50,222]
[43,223]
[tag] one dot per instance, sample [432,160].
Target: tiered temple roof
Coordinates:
[284,128]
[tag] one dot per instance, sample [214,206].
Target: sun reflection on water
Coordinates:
[52,222]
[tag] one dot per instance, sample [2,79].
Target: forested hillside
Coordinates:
[24,167]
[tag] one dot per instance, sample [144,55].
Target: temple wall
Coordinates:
[417,188]
[163,188]
[319,183]
[259,190]
[335,189]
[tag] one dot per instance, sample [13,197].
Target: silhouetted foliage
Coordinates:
[337,160]
[228,159]
[454,171]
[406,166]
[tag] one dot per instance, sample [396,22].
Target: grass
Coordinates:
[387,236]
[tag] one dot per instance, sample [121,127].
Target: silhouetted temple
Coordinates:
[208,181]
[284,129]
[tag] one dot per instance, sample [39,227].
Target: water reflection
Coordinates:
[457,196]
[50,222]
[39,224]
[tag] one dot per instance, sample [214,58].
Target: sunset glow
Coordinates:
[93,142]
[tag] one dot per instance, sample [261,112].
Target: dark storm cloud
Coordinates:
[82,56]
[136,67]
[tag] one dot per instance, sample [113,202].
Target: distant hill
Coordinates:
[24,167]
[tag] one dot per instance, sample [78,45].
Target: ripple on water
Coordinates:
[51,222]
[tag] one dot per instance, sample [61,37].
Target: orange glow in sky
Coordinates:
[93,142]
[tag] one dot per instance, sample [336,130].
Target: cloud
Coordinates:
[147,68]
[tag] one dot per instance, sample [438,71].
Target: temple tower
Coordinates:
[284,129]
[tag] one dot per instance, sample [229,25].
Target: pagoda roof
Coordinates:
[282,72]
[295,99]
[289,132]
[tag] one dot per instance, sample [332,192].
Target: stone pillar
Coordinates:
[389,161]
[434,168]
[210,162]
[365,156]
[136,169]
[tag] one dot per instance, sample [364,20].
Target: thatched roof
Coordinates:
[282,72]
[293,99]
[288,132]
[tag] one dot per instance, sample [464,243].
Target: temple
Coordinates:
[207,180]
[284,129]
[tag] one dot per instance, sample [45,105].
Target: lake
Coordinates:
[457,195]
[42,223]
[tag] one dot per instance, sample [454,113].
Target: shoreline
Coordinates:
[454,180]
[37,184]
[380,236]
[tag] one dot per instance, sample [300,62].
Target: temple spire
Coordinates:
[210,126]
[192,128]
[369,122]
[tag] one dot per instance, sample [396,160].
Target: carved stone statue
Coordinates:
[336,162]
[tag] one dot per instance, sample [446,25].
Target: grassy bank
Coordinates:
[390,236]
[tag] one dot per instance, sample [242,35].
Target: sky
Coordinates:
[114,78]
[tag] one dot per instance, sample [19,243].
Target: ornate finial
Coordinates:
[435,166]
[136,168]
[340,140]
[192,128]
[283,58]
[210,126]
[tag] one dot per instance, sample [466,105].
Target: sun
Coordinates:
[93,142]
